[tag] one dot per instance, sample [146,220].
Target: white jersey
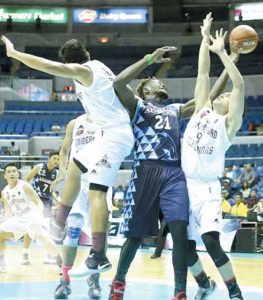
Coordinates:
[17,199]
[83,134]
[204,145]
[99,100]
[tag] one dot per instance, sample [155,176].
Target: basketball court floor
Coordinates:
[147,279]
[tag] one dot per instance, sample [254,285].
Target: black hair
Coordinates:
[74,52]
[53,153]
[141,85]
[10,165]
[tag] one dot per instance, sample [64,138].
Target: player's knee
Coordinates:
[192,255]
[178,231]
[214,249]
[75,224]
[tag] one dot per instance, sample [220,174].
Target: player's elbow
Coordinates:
[239,84]
[118,83]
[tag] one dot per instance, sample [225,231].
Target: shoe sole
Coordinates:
[85,271]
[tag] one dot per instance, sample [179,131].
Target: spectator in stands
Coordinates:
[251,128]
[249,175]
[225,206]
[229,172]
[228,197]
[236,172]
[13,149]
[245,189]
[252,199]
[117,208]
[119,194]
[225,180]
[259,129]
[239,210]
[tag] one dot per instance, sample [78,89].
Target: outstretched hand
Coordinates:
[205,28]
[218,43]
[9,46]
[157,55]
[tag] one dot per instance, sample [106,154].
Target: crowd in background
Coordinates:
[242,192]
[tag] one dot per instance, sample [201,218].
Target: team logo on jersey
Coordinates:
[104,162]
[43,172]
[203,114]
[94,172]
[80,130]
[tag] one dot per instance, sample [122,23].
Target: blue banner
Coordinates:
[111,16]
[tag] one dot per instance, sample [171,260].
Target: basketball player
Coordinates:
[93,82]
[79,133]
[157,178]
[41,178]
[23,214]
[207,137]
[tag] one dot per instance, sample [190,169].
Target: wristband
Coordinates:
[149,59]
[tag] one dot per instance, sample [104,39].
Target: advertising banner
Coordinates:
[29,15]
[110,16]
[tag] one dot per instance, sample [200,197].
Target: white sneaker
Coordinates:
[25,259]
[50,260]
[2,269]
[203,293]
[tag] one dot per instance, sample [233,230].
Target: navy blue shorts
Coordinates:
[155,185]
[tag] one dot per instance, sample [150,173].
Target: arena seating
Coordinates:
[28,117]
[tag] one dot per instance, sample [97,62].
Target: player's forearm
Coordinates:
[37,63]
[204,56]
[231,69]
[63,161]
[130,73]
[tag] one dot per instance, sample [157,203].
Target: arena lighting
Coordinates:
[103,39]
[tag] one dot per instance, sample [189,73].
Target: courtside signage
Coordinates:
[251,11]
[29,15]
[111,16]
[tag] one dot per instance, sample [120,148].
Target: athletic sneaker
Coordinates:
[25,259]
[155,256]
[235,293]
[180,296]
[2,269]
[117,290]
[52,260]
[95,263]
[203,293]
[63,290]
[94,286]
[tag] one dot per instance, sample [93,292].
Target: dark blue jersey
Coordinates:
[42,181]
[157,132]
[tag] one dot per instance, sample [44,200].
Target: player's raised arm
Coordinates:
[236,103]
[221,82]
[71,70]
[32,173]
[202,86]
[121,82]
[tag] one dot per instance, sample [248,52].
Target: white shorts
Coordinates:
[205,207]
[103,157]
[29,223]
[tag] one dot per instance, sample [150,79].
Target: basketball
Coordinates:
[244,38]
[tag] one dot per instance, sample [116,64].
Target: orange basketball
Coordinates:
[244,38]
